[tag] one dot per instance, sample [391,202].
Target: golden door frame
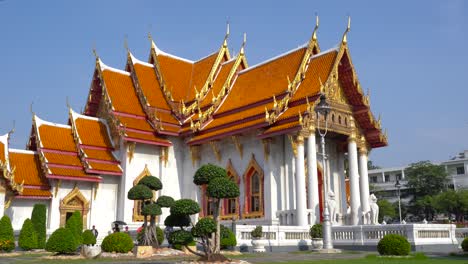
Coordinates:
[74,201]
[136,216]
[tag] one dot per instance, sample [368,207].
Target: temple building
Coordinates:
[168,115]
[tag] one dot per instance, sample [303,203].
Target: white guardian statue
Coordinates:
[332,206]
[374,210]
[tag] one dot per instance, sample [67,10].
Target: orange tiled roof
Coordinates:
[104,166]
[60,158]
[228,130]
[93,132]
[2,152]
[181,76]
[263,81]
[136,123]
[219,81]
[98,154]
[58,138]
[36,192]
[281,127]
[28,168]
[69,172]
[148,137]
[121,92]
[150,86]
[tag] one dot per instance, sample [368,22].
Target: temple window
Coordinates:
[74,201]
[333,118]
[339,120]
[254,190]
[231,206]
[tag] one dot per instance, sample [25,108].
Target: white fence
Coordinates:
[422,237]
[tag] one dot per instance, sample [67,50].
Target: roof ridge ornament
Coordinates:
[348,28]
[314,34]
[242,51]
[12,129]
[126,43]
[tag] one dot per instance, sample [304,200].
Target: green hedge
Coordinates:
[88,238]
[464,244]
[7,238]
[61,241]
[119,242]
[39,218]
[228,238]
[75,224]
[27,238]
[395,245]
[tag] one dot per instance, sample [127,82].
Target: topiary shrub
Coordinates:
[165,201]
[140,192]
[61,241]
[222,187]
[185,207]
[177,220]
[393,244]
[208,172]
[179,246]
[228,238]
[151,209]
[204,227]
[316,231]
[7,238]
[27,238]
[181,237]
[257,232]
[151,182]
[88,238]
[75,224]
[39,218]
[117,242]
[464,244]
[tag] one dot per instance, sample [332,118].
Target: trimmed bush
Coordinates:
[151,209]
[180,237]
[177,220]
[7,238]
[185,207]
[27,238]
[151,182]
[140,192]
[228,238]
[257,232]
[75,224]
[165,201]
[119,242]
[39,218]
[464,244]
[222,187]
[61,241]
[179,246]
[88,238]
[204,227]
[208,172]
[395,245]
[316,231]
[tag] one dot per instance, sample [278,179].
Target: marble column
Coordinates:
[343,198]
[312,183]
[2,198]
[354,178]
[364,182]
[301,205]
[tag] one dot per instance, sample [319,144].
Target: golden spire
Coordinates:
[314,34]
[227,34]
[243,44]
[348,28]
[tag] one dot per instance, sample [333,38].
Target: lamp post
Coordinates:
[398,186]
[323,108]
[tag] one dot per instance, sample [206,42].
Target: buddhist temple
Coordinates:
[167,116]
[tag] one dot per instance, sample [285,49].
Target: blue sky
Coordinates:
[411,54]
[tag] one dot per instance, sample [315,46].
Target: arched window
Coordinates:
[137,216]
[231,206]
[74,201]
[254,190]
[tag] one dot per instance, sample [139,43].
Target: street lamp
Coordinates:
[323,108]
[398,186]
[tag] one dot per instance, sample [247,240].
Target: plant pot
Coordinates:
[90,252]
[258,245]
[317,243]
[144,251]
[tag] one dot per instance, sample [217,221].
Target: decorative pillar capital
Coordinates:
[352,135]
[299,139]
[363,147]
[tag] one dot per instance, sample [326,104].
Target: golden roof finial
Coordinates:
[95,54]
[267,115]
[300,118]
[150,37]
[242,51]
[314,34]
[227,34]
[13,129]
[31,109]
[68,103]
[348,28]
[322,89]
[275,104]
[126,43]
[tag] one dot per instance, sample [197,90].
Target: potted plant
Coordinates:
[89,249]
[257,241]
[316,235]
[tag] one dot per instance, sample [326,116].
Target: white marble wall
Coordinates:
[21,209]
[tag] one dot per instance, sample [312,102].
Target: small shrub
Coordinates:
[228,238]
[61,241]
[464,244]
[395,245]
[151,182]
[208,172]
[316,231]
[179,246]
[140,192]
[75,224]
[177,220]
[39,218]
[180,237]
[204,227]
[185,207]
[165,201]
[7,238]
[27,238]
[151,209]
[257,232]
[117,242]
[88,238]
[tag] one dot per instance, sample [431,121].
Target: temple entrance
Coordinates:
[74,201]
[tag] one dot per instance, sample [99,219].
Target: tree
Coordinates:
[386,210]
[75,224]
[371,166]
[143,191]
[452,202]
[38,218]
[426,178]
[424,207]
[7,238]
[219,187]
[28,238]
